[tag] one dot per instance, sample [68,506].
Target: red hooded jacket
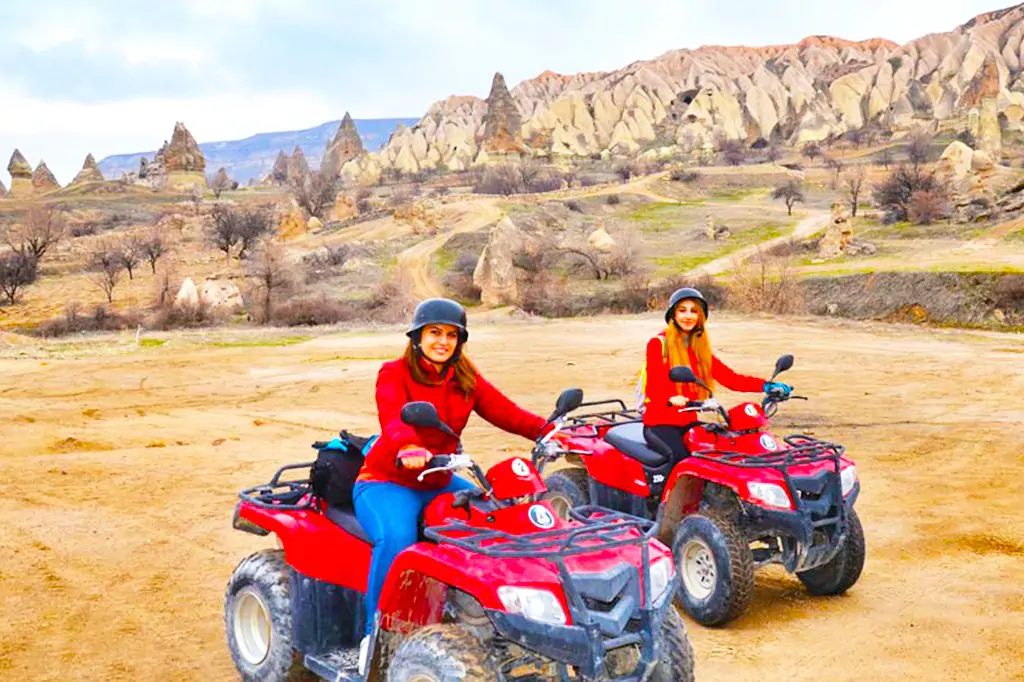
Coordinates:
[396,387]
[659,389]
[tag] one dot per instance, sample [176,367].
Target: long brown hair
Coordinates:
[465,370]
[677,342]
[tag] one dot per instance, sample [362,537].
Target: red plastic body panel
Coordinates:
[747,417]
[314,545]
[515,477]
[607,465]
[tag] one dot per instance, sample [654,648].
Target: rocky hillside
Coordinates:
[254,156]
[684,100]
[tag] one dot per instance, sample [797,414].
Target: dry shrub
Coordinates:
[392,300]
[685,176]
[712,290]
[459,278]
[765,285]
[184,316]
[927,206]
[315,311]
[75,322]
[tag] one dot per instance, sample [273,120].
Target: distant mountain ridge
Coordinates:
[253,157]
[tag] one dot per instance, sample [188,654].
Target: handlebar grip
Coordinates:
[442,461]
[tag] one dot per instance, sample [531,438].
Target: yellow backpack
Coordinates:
[640,390]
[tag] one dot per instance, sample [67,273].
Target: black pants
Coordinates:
[665,436]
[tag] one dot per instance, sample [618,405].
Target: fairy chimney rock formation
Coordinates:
[3,190]
[90,172]
[279,173]
[182,161]
[298,167]
[346,146]
[43,180]
[502,123]
[980,101]
[21,176]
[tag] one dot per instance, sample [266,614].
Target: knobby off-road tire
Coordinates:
[715,566]
[441,653]
[839,574]
[675,657]
[567,487]
[258,620]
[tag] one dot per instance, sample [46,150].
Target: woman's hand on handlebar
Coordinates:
[413,457]
[678,401]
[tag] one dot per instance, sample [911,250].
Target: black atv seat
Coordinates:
[345,517]
[629,440]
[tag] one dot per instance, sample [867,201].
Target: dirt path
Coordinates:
[807,227]
[415,261]
[120,470]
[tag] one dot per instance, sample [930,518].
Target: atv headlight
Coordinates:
[771,494]
[661,574]
[539,605]
[848,477]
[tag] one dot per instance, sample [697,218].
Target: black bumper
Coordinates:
[800,526]
[584,646]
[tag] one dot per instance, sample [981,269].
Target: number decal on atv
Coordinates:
[750,410]
[541,517]
[520,468]
[768,443]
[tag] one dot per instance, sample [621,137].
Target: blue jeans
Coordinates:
[389,513]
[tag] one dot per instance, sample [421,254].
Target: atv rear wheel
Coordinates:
[567,489]
[441,653]
[839,574]
[715,567]
[258,620]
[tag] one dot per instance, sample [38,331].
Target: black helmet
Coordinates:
[438,311]
[681,295]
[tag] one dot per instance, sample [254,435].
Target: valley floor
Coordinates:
[121,464]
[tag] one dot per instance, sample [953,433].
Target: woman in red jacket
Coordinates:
[685,342]
[388,498]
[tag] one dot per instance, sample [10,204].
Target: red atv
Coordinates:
[498,588]
[741,500]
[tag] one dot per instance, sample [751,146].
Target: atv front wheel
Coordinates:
[441,653]
[675,657]
[715,567]
[567,489]
[258,620]
[843,570]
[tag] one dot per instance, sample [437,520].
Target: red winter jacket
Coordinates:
[659,389]
[396,387]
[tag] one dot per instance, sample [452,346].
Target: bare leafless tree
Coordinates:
[17,270]
[919,147]
[790,193]
[105,267]
[223,232]
[854,183]
[221,182]
[271,275]
[196,196]
[811,150]
[130,251]
[153,247]
[41,230]
[315,192]
[253,224]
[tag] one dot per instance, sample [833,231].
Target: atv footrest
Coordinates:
[340,665]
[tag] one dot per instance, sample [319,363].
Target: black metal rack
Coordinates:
[623,415]
[283,495]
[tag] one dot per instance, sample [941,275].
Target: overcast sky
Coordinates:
[112,76]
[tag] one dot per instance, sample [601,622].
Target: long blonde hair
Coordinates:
[465,370]
[678,341]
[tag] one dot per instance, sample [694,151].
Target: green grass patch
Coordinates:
[735,194]
[151,343]
[261,343]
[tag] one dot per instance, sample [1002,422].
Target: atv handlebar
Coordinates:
[445,463]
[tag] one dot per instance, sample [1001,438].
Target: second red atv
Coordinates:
[742,499]
[498,588]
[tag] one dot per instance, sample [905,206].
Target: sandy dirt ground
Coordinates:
[120,468]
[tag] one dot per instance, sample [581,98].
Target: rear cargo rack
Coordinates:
[292,495]
[802,450]
[603,418]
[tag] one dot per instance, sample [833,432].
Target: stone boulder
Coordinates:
[838,239]
[43,180]
[345,146]
[495,273]
[314,224]
[955,161]
[292,225]
[221,296]
[599,240]
[715,232]
[21,176]
[188,295]
[90,172]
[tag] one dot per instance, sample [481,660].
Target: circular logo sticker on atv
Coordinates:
[750,410]
[541,517]
[768,443]
[520,468]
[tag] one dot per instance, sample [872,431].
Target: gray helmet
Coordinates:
[438,311]
[680,295]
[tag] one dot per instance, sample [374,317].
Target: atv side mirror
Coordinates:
[424,415]
[682,375]
[782,364]
[568,400]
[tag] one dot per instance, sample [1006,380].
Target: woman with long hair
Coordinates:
[387,496]
[685,342]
